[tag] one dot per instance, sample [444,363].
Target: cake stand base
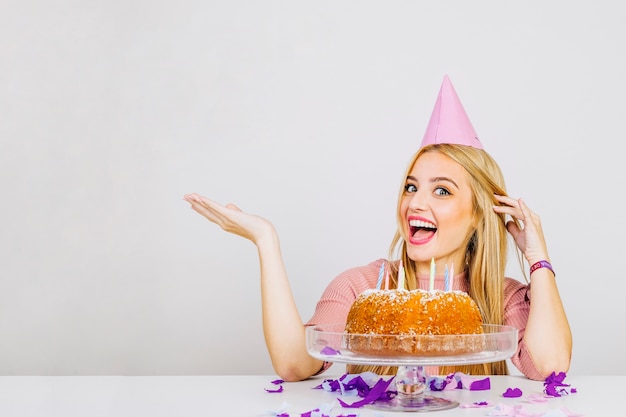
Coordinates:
[410,384]
[423,404]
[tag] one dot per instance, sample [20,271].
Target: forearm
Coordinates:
[282,325]
[548,337]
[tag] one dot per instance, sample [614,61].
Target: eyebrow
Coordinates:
[435,179]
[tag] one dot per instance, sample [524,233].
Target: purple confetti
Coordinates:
[329,351]
[272,391]
[480,385]
[276,382]
[309,413]
[476,404]
[329,385]
[371,387]
[358,384]
[458,380]
[440,384]
[379,390]
[555,387]
[512,393]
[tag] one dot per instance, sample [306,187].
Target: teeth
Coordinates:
[421,223]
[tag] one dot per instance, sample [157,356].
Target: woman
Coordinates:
[452,207]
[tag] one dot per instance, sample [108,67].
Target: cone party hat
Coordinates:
[449,122]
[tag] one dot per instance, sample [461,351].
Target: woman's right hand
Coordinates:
[230,217]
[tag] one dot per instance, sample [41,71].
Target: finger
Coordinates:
[503,199]
[511,211]
[207,208]
[528,216]
[233,207]
[513,229]
[507,205]
[524,208]
[207,212]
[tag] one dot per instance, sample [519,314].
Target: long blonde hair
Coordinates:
[486,250]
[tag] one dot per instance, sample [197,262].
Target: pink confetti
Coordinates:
[568,413]
[537,398]
[509,411]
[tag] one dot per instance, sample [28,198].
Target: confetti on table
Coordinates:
[458,380]
[276,390]
[555,387]
[477,404]
[272,391]
[512,393]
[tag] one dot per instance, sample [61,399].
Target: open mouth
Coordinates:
[421,229]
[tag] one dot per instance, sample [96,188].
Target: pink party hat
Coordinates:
[449,122]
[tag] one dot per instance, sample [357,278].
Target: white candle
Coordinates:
[379,283]
[387,279]
[401,275]
[431,287]
[451,276]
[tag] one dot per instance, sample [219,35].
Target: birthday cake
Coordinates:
[414,323]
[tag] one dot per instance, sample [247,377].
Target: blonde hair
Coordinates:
[486,247]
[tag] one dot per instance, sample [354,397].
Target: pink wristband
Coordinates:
[541,264]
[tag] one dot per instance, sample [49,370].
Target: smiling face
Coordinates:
[438,211]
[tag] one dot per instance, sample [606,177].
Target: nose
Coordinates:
[417,201]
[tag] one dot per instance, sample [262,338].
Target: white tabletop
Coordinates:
[232,395]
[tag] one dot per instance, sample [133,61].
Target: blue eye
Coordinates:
[441,191]
[410,188]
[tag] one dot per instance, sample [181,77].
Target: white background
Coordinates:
[305,113]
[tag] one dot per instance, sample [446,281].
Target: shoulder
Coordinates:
[511,284]
[515,291]
[368,270]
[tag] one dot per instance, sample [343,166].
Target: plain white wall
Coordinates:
[303,112]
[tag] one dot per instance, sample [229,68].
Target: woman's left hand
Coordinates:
[529,238]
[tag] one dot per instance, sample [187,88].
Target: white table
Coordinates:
[155,396]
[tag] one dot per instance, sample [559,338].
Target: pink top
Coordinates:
[338,297]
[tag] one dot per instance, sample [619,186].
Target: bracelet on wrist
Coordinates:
[541,264]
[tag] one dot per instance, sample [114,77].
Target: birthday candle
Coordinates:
[401,276]
[451,276]
[387,279]
[380,276]
[431,287]
[446,278]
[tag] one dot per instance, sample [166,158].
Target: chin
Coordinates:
[418,256]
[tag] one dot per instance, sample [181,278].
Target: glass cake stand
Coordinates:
[410,354]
